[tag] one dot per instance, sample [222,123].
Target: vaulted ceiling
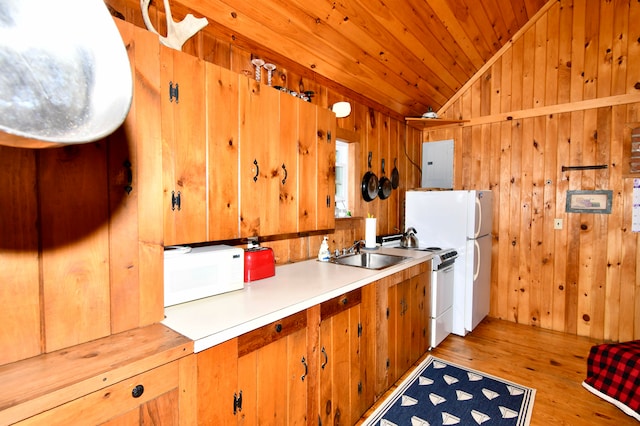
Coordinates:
[407,55]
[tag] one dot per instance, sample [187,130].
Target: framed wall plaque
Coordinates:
[598,201]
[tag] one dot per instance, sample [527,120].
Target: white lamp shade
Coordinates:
[342,109]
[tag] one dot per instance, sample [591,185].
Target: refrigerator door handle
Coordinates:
[477,259]
[479,224]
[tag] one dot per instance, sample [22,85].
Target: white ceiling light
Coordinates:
[342,109]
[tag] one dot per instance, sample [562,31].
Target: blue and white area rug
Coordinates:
[441,393]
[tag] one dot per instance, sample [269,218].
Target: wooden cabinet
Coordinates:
[342,344]
[126,378]
[307,167]
[287,143]
[223,150]
[402,309]
[268,163]
[326,169]
[151,395]
[182,100]
[258,377]
[316,163]
[326,365]
[408,304]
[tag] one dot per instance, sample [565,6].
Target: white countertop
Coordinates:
[295,287]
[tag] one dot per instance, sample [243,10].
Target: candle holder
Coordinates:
[269,68]
[258,63]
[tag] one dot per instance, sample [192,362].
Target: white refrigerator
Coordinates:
[460,220]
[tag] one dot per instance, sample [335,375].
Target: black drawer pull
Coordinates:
[137,391]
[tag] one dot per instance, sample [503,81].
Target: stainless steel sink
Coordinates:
[369,260]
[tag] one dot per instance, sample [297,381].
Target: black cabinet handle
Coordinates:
[127,168]
[137,391]
[278,328]
[326,358]
[306,368]
[284,180]
[255,163]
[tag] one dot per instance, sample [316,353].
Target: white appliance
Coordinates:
[194,273]
[460,220]
[442,283]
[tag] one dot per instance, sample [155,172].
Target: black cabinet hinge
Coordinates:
[173,92]
[237,403]
[176,201]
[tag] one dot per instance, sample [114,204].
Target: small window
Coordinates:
[342,179]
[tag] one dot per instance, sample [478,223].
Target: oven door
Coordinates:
[442,291]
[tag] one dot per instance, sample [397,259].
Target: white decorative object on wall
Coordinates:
[64,79]
[177,32]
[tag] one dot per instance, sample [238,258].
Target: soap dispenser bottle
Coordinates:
[323,253]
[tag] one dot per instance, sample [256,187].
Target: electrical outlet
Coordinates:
[557,224]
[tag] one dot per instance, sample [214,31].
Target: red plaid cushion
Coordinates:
[614,370]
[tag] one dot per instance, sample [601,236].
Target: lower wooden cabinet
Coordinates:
[408,318]
[321,371]
[402,323]
[152,397]
[257,378]
[340,371]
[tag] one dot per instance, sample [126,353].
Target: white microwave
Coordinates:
[195,273]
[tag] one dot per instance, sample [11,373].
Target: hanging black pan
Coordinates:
[369,183]
[395,175]
[384,185]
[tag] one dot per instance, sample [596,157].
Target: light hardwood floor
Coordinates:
[553,363]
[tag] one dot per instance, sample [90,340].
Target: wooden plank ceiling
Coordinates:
[407,55]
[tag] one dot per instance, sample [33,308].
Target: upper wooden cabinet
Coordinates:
[326,173]
[267,160]
[183,147]
[223,151]
[307,166]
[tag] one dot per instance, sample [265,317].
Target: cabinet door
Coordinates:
[326,169]
[135,188]
[222,135]
[184,148]
[408,298]
[307,166]
[218,384]
[288,161]
[341,382]
[272,373]
[259,168]
[400,319]
[420,302]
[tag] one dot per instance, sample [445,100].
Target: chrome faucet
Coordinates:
[355,248]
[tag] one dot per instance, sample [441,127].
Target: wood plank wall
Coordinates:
[560,94]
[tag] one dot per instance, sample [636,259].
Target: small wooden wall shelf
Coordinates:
[421,123]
